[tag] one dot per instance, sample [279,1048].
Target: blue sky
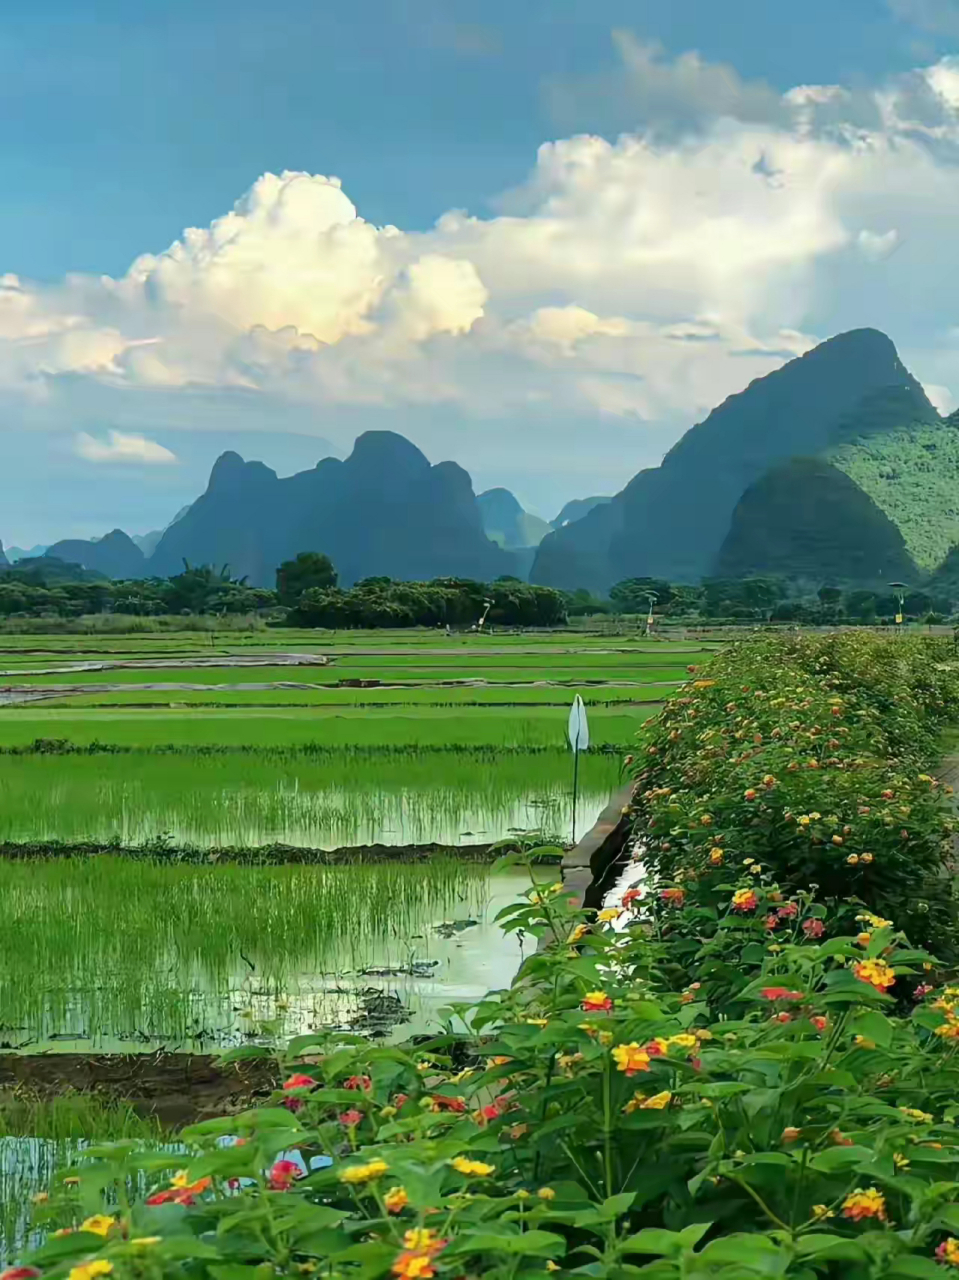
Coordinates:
[124,124]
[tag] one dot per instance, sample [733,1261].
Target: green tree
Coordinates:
[632,594]
[311,570]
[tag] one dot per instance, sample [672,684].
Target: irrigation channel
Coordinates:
[199,853]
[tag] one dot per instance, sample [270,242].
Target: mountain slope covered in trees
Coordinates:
[671,521]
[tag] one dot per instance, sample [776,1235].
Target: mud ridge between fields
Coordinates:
[176,1088]
[261,855]
[157,664]
[11,695]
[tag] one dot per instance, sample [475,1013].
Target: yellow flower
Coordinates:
[144,1242]
[864,939]
[948,1252]
[608,914]
[900,1161]
[861,1042]
[551,1265]
[181,1179]
[820,1212]
[396,1199]
[420,1238]
[90,1270]
[683,1041]
[577,935]
[359,1173]
[99,1224]
[921,1117]
[869,1203]
[631,1058]
[658,1102]
[546,1193]
[475,1168]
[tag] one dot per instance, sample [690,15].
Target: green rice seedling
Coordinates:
[104,953]
[246,800]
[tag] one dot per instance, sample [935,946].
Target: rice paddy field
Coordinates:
[209,840]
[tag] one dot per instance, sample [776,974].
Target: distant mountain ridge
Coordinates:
[506,523]
[383,511]
[849,402]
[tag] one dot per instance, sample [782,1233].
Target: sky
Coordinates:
[539,239]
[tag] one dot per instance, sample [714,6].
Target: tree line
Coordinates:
[306,595]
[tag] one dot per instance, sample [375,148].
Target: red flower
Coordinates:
[819,1022]
[299,1081]
[283,1174]
[673,897]
[920,993]
[185,1195]
[772,922]
[781,993]
[813,928]
[787,911]
[400,1099]
[351,1117]
[442,1103]
[784,1017]
[630,896]
[358,1082]
[19,1273]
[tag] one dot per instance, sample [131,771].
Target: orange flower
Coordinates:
[861,1204]
[791,1133]
[631,1058]
[876,973]
[396,1199]
[744,900]
[673,897]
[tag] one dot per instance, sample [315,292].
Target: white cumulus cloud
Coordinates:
[119,447]
[620,292]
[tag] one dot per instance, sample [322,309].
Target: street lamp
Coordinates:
[652,598]
[900,589]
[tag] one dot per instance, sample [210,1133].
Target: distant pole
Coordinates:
[578,731]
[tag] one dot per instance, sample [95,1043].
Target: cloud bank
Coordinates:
[119,447]
[628,285]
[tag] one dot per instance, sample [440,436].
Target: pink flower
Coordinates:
[358,1082]
[351,1117]
[813,928]
[283,1174]
[781,993]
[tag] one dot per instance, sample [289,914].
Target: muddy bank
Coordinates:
[177,1088]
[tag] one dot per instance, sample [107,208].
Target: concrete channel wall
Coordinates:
[591,866]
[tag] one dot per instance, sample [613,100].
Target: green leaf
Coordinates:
[834,1158]
[874,1026]
[655,1240]
[536,1244]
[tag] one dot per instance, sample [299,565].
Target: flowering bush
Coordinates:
[752,1079]
[809,756]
